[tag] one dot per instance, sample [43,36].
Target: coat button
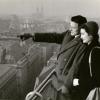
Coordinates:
[64,59]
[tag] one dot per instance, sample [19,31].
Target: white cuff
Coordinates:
[75,82]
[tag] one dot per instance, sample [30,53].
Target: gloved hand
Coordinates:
[25,36]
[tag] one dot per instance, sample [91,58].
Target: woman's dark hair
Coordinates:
[92,28]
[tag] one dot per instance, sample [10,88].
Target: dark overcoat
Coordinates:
[65,59]
[95,67]
[82,72]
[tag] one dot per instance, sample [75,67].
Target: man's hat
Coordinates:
[79,19]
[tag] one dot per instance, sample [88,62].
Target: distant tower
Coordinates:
[14,25]
[40,8]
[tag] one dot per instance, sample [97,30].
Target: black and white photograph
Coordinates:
[49,49]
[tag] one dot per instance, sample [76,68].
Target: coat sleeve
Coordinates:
[95,65]
[49,37]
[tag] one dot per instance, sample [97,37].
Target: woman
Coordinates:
[82,80]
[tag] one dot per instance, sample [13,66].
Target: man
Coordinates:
[63,38]
[70,43]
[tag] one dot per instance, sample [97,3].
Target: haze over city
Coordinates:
[88,8]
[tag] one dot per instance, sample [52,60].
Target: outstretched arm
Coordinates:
[44,37]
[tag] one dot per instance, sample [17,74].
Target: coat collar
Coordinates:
[69,45]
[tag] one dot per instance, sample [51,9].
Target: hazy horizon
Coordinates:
[88,8]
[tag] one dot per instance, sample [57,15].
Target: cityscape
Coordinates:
[23,63]
[20,64]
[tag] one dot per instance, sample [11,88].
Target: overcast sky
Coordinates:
[89,8]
